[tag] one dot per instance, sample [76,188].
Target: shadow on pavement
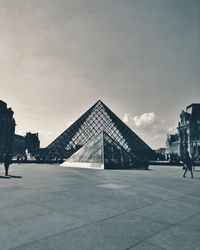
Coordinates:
[14,176]
[4,177]
[9,176]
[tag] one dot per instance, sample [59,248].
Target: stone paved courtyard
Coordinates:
[58,208]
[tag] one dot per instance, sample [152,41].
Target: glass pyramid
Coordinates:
[91,152]
[101,151]
[97,119]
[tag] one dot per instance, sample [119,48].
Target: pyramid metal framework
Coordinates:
[97,119]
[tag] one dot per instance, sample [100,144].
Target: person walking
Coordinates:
[188,163]
[18,159]
[7,162]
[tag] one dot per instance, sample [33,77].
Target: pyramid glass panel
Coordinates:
[115,156]
[91,152]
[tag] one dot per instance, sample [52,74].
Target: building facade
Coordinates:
[7,129]
[32,143]
[172,147]
[187,138]
[19,145]
[189,131]
[28,144]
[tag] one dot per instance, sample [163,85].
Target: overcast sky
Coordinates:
[140,57]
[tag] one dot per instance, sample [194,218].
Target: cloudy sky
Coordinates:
[140,57]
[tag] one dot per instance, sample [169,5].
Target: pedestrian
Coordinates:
[18,159]
[188,163]
[7,162]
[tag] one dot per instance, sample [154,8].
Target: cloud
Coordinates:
[146,124]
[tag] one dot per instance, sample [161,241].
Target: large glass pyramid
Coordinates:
[99,118]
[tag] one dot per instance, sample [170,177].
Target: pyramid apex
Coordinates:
[100,102]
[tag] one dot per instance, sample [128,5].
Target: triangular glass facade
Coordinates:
[115,156]
[101,152]
[97,119]
[91,152]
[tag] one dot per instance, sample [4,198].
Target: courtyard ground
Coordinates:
[47,207]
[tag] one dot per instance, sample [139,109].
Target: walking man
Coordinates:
[188,164]
[7,162]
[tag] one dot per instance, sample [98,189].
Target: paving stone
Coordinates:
[86,238]
[112,186]
[22,211]
[176,238]
[145,246]
[53,207]
[171,211]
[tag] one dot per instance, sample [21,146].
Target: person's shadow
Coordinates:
[14,176]
[10,176]
[4,177]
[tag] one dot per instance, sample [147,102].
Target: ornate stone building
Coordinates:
[189,131]
[188,137]
[7,129]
